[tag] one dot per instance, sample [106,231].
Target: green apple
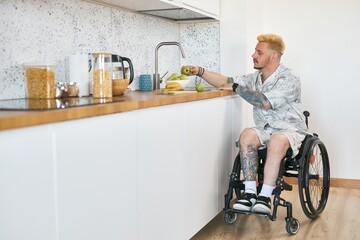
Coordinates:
[173,76]
[182,77]
[185,71]
[199,87]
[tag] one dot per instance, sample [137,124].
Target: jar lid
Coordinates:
[40,64]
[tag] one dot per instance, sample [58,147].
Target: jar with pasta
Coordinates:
[40,80]
[102,75]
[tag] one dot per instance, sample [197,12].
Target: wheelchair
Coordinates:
[312,169]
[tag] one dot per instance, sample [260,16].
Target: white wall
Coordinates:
[322,45]
[233,57]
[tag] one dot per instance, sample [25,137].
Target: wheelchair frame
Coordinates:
[311,167]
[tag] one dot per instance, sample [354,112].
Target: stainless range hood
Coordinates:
[177,14]
[159,8]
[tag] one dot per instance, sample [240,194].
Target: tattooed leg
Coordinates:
[249,161]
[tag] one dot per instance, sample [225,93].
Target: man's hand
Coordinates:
[213,78]
[194,70]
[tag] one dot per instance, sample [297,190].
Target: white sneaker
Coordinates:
[262,205]
[246,202]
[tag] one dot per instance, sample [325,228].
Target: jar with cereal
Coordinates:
[40,80]
[102,79]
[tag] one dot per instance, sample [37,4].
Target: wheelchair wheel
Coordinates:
[230,217]
[314,178]
[292,226]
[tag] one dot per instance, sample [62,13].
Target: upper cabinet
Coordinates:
[209,7]
[176,10]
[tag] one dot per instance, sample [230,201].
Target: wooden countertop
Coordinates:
[132,101]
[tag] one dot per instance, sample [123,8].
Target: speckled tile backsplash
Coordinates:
[40,30]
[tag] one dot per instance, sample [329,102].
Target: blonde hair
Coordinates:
[275,42]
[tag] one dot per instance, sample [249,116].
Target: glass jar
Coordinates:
[61,90]
[40,80]
[72,89]
[102,85]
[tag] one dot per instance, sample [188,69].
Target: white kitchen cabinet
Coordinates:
[27,197]
[161,173]
[96,178]
[208,132]
[136,5]
[183,149]
[199,8]
[211,7]
[156,173]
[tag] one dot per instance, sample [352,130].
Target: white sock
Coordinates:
[266,190]
[250,187]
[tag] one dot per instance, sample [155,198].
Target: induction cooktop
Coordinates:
[24,104]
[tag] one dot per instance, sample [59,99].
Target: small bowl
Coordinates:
[183,83]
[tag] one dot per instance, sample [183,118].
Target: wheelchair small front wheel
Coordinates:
[230,217]
[292,226]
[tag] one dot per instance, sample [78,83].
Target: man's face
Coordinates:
[262,55]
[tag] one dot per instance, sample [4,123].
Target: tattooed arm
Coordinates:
[255,98]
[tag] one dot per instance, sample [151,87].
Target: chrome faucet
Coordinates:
[156,78]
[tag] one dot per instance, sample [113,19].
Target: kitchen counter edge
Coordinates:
[132,101]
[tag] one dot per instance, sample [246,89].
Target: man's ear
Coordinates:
[275,56]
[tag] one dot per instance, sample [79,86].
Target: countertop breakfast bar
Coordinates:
[131,101]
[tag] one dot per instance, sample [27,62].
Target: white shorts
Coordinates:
[295,138]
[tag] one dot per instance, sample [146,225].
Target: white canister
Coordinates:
[79,72]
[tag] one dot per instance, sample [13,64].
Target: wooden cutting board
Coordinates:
[176,92]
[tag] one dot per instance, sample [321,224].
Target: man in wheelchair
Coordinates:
[275,93]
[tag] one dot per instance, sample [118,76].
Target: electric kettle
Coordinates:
[120,74]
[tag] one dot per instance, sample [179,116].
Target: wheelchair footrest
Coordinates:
[247,212]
